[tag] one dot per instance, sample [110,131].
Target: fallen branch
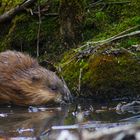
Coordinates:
[92,47]
[108,39]
[51,14]
[11,13]
[126,35]
[100,2]
[119,36]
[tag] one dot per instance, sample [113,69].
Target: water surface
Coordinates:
[45,122]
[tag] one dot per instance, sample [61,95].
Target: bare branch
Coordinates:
[39,26]
[92,47]
[80,76]
[106,40]
[51,14]
[100,2]
[118,35]
[11,13]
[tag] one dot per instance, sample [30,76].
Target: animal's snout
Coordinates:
[67,99]
[67,95]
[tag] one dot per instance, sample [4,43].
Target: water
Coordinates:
[44,122]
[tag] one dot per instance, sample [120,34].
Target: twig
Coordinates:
[80,75]
[95,3]
[107,40]
[93,49]
[39,26]
[106,3]
[114,37]
[51,14]
[31,11]
[126,35]
[70,60]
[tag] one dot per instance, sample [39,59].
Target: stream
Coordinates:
[46,122]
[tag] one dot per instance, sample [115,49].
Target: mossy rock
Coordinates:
[111,75]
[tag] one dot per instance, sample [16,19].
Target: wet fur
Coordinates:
[24,82]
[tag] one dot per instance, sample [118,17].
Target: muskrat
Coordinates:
[24,82]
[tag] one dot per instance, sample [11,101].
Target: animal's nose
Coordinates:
[68,97]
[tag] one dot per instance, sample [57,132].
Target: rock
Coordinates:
[133,107]
[114,74]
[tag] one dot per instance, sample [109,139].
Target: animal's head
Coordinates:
[42,86]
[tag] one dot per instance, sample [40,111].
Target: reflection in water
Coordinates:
[21,122]
[46,122]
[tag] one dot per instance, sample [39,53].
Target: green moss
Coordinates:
[8,4]
[111,20]
[114,29]
[100,22]
[105,75]
[71,70]
[109,76]
[102,75]
[22,30]
[127,43]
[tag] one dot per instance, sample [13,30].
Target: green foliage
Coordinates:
[100,22]
[111,20]
[101,73]
[127,43]
[22,30]
[100,16]
[114,29]
[105,76]
[71,70]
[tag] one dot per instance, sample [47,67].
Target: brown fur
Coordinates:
[24,82]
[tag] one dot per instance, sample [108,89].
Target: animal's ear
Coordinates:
[36,78]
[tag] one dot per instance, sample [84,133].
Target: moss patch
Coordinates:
[105,76]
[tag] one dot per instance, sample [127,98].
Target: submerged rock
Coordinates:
[133,107]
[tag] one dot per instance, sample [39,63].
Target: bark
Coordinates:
[71,17]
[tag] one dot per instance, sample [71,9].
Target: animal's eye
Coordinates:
[35,78]
[53,87]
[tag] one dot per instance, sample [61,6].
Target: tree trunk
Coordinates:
[71,17]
